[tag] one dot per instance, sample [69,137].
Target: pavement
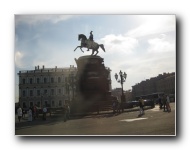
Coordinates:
[57,116]
[154,122]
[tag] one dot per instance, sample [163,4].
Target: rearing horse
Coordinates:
[89,44]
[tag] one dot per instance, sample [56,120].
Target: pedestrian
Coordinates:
[168,104]
[23,113]
[65,113]
[44,112]
[164,102]
[19,113]
[160,102]
[34,112]
[30,114]
[68,111]
[141,106]
[118,106]
[114,106]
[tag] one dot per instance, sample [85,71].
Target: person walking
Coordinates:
[68,111]
[114,106]
[34,112]
[118,106]
[160,102]
[141,106]
[65,113]
[30,114]
[19,113]
[23,113]
[44,112]
[168,104]
[164,102]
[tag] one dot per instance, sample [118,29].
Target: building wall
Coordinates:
[128,95]
[117,92]
[46,86]
[162,83]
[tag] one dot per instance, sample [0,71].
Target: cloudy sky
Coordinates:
[141,45]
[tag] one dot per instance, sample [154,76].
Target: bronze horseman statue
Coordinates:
[89,43]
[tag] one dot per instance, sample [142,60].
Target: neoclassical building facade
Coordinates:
[162,83]
[52,87]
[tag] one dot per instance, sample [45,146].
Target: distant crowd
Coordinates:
[163,100]
[34,111]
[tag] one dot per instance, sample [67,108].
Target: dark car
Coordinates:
[149,102]
[135,103]
[130,104]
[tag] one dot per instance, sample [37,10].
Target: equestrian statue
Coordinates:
[89,43]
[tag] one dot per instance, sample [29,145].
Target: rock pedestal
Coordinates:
[93,84]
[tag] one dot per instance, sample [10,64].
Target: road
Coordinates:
[154,122]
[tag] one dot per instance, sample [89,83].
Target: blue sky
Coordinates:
[141,45]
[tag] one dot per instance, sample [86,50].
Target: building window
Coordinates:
[59,91]
[45,80]
[38,80]
[38,92]
[52,103]
[24,105]
[31,92]
[23,93]
[60,103]
[52,80]
[38,104]
[59,79]
[31,104]
[52,92]
[23,81]
[45,91]
[30,80]
[46,103]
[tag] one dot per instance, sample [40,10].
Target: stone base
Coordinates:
[93,83]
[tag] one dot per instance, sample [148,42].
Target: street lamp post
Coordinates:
[122,79]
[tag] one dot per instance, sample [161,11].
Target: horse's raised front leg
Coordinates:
[81,49]
[76,48]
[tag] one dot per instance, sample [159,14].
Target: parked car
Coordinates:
[149,102]
[130,104]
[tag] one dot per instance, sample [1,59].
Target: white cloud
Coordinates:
[119,43]
[18,59]
[35,19]
[153,24]
[160,45]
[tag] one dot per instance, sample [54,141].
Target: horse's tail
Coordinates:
[102,46]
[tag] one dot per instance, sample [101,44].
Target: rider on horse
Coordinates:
[89,43]
[91,39]
[91,36]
